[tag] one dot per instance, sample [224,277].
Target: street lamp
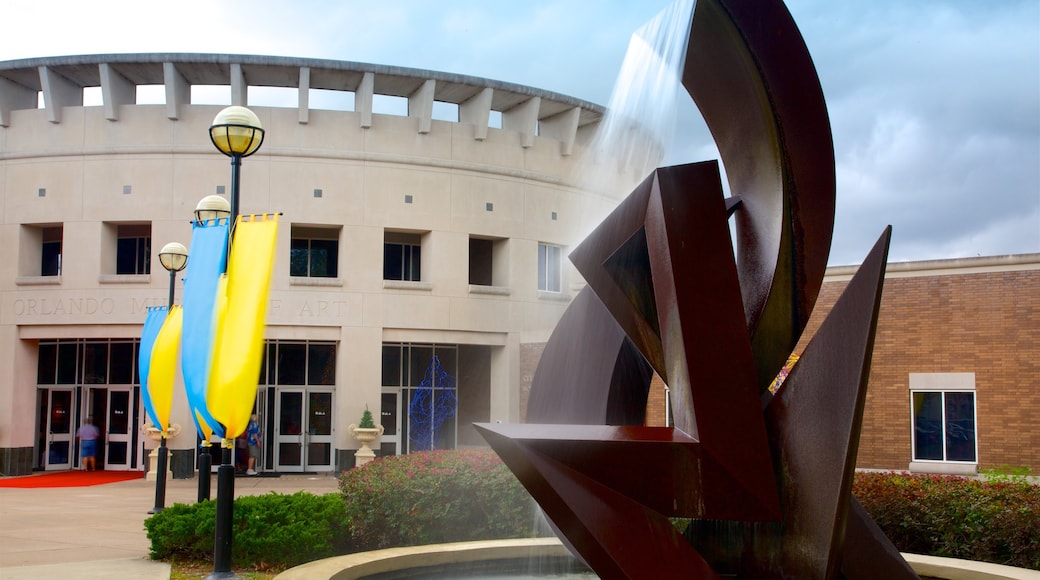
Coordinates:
[212,207]
[235,132]
[174,257]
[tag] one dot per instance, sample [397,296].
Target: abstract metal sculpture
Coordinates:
[765,478]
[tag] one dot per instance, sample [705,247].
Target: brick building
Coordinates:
[953,383]
[958,341]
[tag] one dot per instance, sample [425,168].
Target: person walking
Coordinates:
[88,435]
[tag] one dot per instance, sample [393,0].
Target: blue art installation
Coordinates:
[433,403]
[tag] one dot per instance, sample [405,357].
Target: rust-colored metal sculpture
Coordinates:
[764,478]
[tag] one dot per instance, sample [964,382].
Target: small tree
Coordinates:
[366,420]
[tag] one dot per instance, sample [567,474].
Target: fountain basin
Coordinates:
[397,562]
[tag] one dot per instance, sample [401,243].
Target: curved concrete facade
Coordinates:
[90,194]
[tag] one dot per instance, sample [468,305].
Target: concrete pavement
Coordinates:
[98,531]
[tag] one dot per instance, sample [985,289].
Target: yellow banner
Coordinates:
[241,315]
[163,370]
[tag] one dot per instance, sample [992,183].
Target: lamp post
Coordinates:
[237,133]
[174,257]
[211,207]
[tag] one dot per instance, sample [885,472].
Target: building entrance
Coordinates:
[303,430]
[56,428]
[119,422]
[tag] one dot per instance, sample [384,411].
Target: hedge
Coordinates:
[273,531]
[434,497]
[956,517]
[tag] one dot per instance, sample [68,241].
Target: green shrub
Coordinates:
[955,517]
[268,531]
[1007,474]
[433,497]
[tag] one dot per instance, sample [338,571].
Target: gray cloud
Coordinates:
[934,104]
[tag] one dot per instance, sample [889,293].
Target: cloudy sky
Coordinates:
[934,104]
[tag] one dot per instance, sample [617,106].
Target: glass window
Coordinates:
[95,363]
[87,362]
[67,366]
[299,363]
[480,261]
[46,363]
[292,363]
[315,258]
[548,268]
[430,404]
[391,365]
[402,256]
[50,262]
[321,364]
[121,367]
[133,249]
[944,425]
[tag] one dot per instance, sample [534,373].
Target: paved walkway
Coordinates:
[98,531]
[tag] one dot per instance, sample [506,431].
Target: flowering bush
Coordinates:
[955,517]
[433,497]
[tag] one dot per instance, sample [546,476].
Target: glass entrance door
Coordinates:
[390,418]
[303,430]
[57,444]
[118,438]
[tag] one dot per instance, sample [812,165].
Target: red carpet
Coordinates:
[70,479]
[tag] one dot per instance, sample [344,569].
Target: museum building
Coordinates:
[421,257]
[425,222]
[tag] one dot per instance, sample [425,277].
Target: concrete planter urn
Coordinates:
[366,432]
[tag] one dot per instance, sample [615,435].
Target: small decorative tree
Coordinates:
[366,420]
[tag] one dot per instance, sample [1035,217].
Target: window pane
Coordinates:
[553,268]
[393,262]
[388,414]
[46,363]
[414,263]
[391,365]
[121,368]
[960,426]
[298,255]
[67,363]
[50,264]
[541,267]
[324,258]
[292,360]
[928,426]
[447,358]
[320,420]
[95,363]
[548,268]
[420,360]
[480,261]
[132,255]
[321,364]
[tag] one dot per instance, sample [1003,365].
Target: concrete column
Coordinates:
[420,105]
[477,111]
[116,90]
[177,90]
[58,92]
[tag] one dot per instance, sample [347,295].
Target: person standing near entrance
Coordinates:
[88,435]
[253,440]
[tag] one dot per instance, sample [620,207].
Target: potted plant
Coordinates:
[366,432]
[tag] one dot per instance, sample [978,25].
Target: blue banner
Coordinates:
[208,262]
[152,324]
